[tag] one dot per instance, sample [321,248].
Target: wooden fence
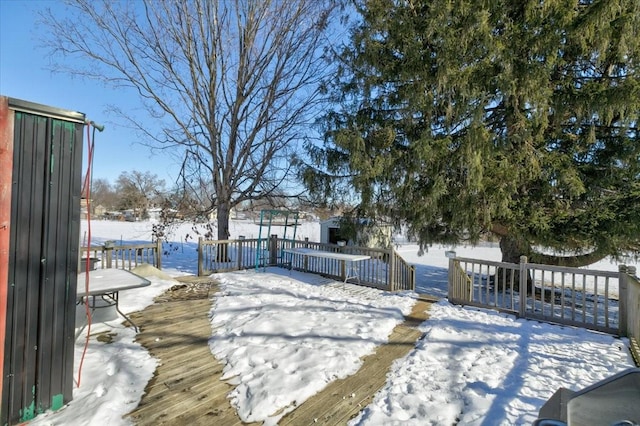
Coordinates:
[122,256]
[599,300]
[385,269]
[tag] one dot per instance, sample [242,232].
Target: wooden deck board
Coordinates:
[187,387]
[198,403]
[174,351]
[343,399]
[179,380]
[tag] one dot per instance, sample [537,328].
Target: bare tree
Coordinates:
[233,83]
[103,194]
[137,190]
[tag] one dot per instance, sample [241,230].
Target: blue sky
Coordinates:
[24,75]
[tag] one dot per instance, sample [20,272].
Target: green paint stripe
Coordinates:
[28,413]
[57,402]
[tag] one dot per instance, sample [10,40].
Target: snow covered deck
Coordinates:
[188,388]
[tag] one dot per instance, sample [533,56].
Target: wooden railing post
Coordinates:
[159,253]
[240,241]
[108,250]
[200,257]
[522,276]
[273,250]
[392,270]
[413,278]
[451,255]
[623,298]
[633,311]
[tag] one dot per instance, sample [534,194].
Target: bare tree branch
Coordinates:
[230,85]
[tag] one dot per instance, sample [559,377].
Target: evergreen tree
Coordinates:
[519,119]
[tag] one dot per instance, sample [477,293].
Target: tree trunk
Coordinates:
[222,254]
[512,249]
[223,221]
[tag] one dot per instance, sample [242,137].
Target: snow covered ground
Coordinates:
[472,366]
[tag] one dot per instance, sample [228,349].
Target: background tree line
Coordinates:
[138,191]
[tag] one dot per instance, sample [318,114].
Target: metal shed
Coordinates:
[40,185]
[369,233]
[330,231]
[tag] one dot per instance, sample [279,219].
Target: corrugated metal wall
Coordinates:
[43,256]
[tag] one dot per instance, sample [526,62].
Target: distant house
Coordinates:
[154,213]
[114,215]
[233,214]
[96,211]
[83,208]
[369,233]
[99,211]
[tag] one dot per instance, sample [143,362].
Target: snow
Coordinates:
[477,367]
[283,337]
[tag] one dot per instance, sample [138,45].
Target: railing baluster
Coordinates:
[498,294]
[562,307]
[606,301]
[595,301]
[573,296]
[504,290]
[584,298]
[552,293]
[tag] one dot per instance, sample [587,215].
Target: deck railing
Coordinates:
[126,256]
[402,275]
[225,255]
[385,269]
[631,305]
[599,300]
